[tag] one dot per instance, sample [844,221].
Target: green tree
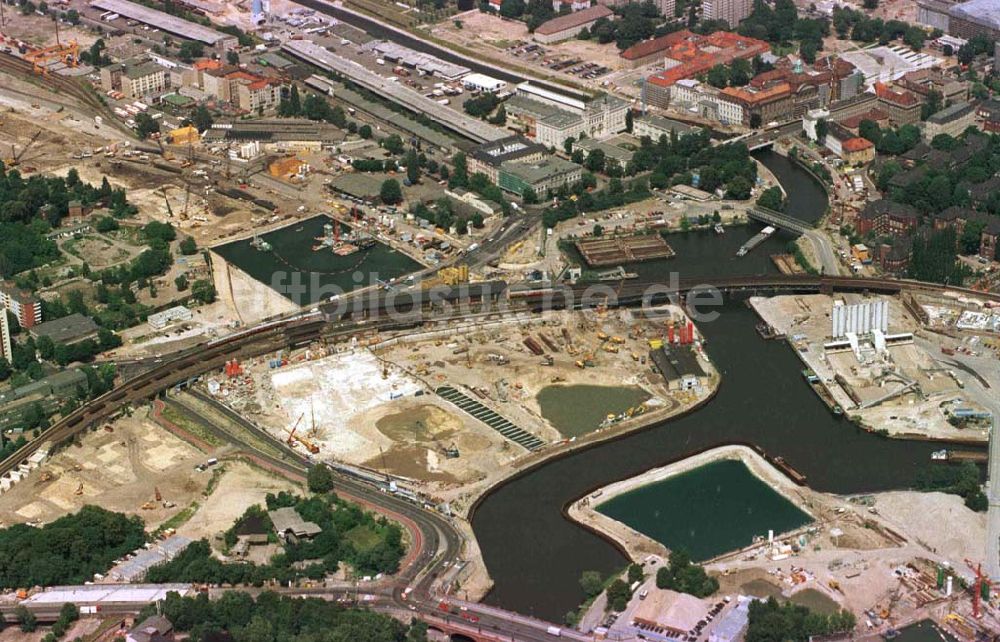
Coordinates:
[365,131]
[188,246]
[146,125]
[772,198]
[635,574]
[181,282]
[319,479]
[202,118]
[718,76]
[391,193]
[629,123]
[26,619]
[822,129]
[869,129]
[203,291]
[618,595]
[190,49]
[233,58]
[393,144]
[591,583]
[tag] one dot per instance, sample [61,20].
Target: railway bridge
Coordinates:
[779,219]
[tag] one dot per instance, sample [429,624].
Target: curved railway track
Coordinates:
[66,86]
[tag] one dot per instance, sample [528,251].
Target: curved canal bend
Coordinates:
[535,555]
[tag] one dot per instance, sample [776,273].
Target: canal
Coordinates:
[535,555]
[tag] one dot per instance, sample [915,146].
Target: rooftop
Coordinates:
[113,593]
[950,113]
[692,54]
[539,171]
[511,148]
[68,329]
[572,20]
[666,124]
[287,520]
[675,363]
[165,21]
[856,144]
[981,12]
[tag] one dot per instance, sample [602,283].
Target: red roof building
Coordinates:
[692,54]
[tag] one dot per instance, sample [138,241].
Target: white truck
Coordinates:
[554,630]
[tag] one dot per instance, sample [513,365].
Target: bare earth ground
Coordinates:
[117,470]
[239,488]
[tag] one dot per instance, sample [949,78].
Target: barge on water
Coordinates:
[949,456]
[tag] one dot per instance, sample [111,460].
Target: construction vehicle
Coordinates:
[148,506]
[79,489]
[156,491]
[291,435]
[15,156]
[46,476]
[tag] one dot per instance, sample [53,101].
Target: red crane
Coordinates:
[977,590]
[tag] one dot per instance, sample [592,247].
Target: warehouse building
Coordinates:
[567,26]
[483,83]
[422,62]
[171,24]
[455,120]
[549,173]
[679,366]
[162,319]
[277,134]
[66,330]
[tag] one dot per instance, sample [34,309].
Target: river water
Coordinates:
[535,555]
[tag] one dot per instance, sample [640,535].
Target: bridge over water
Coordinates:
[779,220]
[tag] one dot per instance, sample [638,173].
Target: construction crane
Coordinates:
[68,53]
[291,435]
[16,156]
[982,582]
[170,210]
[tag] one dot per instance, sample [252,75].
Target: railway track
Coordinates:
[65,86]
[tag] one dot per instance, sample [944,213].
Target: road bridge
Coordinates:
[779,219]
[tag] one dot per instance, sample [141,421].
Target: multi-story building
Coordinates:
[952,120]
[26,308]
[687,55]
[135,78]
[857,151]
[924,81]
[902,106]
[488,157]
[540,176]
[666,7]
[775,103]
[988,115]
[975,18]
[655,127]
[550,118]
[242,89]
[959,217]
[934,13]
[732,11]
[887,218]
